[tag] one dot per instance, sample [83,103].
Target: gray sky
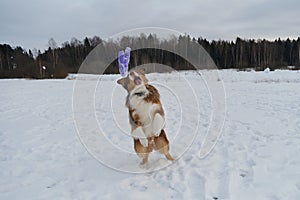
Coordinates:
[32,23]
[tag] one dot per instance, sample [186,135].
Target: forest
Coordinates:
[58,61]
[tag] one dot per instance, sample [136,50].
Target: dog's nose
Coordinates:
[131,73]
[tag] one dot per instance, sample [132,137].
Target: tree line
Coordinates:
[58,61]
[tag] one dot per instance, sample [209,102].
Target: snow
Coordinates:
[267,70]
[256,157]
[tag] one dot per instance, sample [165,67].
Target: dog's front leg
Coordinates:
[138,133]
[158,124]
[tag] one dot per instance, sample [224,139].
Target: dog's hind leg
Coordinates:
[142,152]
[162,145]
[168,156]
[144,160]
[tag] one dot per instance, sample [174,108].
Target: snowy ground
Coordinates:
[256,157]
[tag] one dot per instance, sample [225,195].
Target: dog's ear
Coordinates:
[142,70]
[122,81]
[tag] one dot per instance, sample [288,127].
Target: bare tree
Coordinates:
[35,53]
[53,45]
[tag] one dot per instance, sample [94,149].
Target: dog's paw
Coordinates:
[157,133]
[158,124]
[138,133]
[143,165]
[144,141]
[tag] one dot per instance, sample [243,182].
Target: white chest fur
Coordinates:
[151,124]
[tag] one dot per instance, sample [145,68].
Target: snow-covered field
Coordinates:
[256,157]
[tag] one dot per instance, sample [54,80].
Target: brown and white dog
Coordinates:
[146,115]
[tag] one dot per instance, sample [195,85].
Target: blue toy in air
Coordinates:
[123,59]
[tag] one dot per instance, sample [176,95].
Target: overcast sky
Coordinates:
[32,23]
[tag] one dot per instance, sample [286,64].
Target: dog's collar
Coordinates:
[139,94]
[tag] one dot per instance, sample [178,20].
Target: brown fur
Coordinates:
[160,144]
[134,119]
[153,95]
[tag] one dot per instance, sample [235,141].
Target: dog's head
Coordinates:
[135,77]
